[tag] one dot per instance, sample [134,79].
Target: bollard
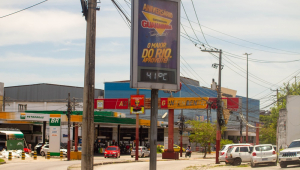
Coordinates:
[23,155]
[34,155]
[48,155]
[9,156]
[61,155]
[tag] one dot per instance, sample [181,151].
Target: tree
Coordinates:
[203,133]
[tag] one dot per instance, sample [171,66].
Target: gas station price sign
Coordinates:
[155,44]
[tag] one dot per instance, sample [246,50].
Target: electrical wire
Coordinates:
[23,9]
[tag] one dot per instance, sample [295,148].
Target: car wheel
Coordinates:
[274,163]
[131,156]
[43,153]
[226,163]
[283,165]
[237,161]
[143,156]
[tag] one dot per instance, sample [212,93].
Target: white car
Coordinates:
[45,149]
[238,154]
[223,151]
[291,155]
[143,152]
[263,154]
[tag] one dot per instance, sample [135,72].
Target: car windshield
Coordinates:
[223,148]
[294,144]
[263,148]
[111,149]
[230,149]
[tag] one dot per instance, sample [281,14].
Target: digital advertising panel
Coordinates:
[155,44]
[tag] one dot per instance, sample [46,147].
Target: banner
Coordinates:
[187,103]
[155,44]
[121,103]
[137,104]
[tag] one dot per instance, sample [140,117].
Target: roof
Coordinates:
[45,92]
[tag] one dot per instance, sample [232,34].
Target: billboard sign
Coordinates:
[137,104]
[155,44]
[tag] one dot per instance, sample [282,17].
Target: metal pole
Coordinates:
[4,102]
[181,116]
[89,88]
[218,135]
[153,128]
[69,124]
[247,101]
[137,133]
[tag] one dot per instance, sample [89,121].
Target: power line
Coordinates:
[296,53]
[23,9]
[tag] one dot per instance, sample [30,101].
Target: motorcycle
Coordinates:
[188,153]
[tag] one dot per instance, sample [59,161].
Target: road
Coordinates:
[39,165]
[161,165]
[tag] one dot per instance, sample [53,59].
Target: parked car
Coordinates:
[112,151]
[38,147]
[175,147]
[143,152]
[263,154]
[223,151]
[291,155]
[237,154]
[45,149]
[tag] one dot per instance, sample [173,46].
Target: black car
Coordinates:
[38,147]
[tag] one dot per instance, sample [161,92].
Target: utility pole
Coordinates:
[137,132]
[247,101]
[219,108]
[69,124]
[4,102]
[153,129]
[89,11]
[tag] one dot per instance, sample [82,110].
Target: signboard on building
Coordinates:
[121,103]
[155,44]
[54,134]
[137,104]
[184,102]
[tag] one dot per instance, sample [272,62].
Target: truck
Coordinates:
[290,155]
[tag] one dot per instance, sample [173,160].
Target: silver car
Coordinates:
[143,152]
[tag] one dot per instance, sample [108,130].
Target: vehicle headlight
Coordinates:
[280,154]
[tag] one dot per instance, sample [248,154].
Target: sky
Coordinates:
[46,43]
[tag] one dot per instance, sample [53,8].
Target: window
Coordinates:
[294,144]
[237,149]
[111,149]
[244,149]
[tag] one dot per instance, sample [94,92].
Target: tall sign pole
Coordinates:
[155,53]
[89,86]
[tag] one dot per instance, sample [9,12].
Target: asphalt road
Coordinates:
[39,165]
[161,165]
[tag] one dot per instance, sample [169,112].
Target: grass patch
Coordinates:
[243,165]
[1,160]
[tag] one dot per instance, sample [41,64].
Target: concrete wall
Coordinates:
[281,129]
[293,118]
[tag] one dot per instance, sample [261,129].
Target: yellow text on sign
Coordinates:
[187,103]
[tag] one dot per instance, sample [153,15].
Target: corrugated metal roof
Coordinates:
[46,92]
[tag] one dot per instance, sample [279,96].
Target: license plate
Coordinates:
[264,159]
[288,159]
[109,154]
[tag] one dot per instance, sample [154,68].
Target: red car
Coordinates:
[26,150]
[112,151]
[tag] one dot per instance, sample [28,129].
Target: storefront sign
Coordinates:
[54,134]
[155,44]
[121,103]
[231,103]
[32,116]
[185,102]
[137,104]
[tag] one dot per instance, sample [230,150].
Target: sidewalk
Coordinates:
[100,160]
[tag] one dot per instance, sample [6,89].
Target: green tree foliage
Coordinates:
[225,142]
[203,133]
[268,131]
